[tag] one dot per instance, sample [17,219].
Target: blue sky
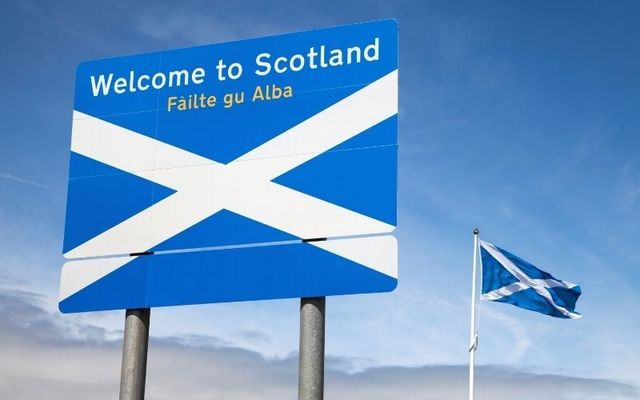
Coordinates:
[519,118]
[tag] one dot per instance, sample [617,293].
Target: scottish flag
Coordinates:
[509,279]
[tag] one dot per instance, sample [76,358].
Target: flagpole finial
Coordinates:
[476,231]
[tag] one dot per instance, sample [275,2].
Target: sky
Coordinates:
[519,118]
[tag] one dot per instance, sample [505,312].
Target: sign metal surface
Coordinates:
[223,161]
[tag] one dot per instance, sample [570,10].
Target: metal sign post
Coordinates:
[134,354]
[311,352]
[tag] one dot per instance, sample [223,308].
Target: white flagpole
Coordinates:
[473,336]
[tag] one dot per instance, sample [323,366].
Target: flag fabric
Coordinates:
[509,279]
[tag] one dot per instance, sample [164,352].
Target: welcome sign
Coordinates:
[264,168]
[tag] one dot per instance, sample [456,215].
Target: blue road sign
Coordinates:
[254,146]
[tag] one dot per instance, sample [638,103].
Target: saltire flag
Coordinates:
[509,279]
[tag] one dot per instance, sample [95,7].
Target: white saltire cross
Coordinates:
[244,186]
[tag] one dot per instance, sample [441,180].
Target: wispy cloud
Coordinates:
[521,341]
[254,335]
[173,26]
[631,184]
[43,358]
[8,176]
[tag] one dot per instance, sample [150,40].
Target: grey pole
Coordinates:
[134,354]
[311,363]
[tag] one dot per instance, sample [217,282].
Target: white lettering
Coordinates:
[276,66]
[300,63]
[375,46]
[352,50]
[119,86]
[197,76]
[318,57]
[263,64]
[101,85]
[142,86]
[154,82]
[175,76]
[131,82]
[235,67]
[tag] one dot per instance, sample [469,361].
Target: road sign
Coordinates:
[222,159]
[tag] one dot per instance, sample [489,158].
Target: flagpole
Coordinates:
[473,336]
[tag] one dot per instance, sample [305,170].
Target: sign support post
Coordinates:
[311,352]
[134,354]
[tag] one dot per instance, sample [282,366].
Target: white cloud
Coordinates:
[520,338]
[189,25]
[42,359]
[8,176]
